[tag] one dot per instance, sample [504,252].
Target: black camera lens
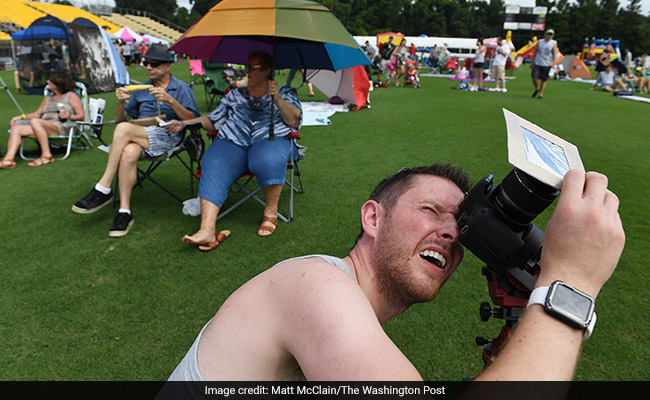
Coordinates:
[521,198]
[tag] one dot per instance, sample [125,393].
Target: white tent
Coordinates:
[153,39]
[459,47]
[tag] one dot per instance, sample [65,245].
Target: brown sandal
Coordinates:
[268,221]
[41,161]
[6,164]
[209,246]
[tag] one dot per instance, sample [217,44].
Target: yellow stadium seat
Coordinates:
[70,13]
[19,13]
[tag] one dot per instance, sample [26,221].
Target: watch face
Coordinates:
[570,305]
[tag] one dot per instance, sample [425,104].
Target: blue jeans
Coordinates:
[225,162]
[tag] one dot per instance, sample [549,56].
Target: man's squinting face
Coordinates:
[158,72]
[417,244]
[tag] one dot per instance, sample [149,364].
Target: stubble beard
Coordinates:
[395,279]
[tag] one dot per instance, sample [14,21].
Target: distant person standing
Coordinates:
[543,57]
[629,63]
[143,51]
[370,50]
[127,50]
[499,65]
[137,54]
[479,62]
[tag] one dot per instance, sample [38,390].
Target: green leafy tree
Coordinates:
[203,6]
[185,17]
[572,20]
[634,31]
[608,20]
[161,8]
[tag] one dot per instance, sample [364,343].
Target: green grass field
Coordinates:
[78,305]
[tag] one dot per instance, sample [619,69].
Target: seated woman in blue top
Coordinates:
[243,119]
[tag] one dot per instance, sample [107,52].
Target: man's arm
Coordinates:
[161,95]
[329,326]
[582,245]
[176,126]
[122,97]
[556,53]
[599,80]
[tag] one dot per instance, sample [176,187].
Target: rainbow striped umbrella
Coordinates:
[297,33]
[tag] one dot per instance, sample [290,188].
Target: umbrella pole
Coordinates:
[272,127]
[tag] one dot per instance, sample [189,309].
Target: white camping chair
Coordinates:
[76,133]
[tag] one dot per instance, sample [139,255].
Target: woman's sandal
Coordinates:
[6,164]
[268,224]
[209,246]
[41,161]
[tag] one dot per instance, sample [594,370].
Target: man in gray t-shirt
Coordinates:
[543,57]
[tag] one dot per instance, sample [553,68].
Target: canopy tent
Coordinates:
[129,35]
[152,39]
[104,67]
[40,32]
[38,54]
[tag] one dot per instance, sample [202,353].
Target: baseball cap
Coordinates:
[550,32]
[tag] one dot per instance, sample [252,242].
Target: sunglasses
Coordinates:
[154,64]
[255,104]
[250,67]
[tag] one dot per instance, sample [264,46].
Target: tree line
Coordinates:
[573,20]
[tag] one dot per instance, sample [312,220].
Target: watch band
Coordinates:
[538,296]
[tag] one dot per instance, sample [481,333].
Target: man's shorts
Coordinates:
[160,140]
[498,72]
[540,72]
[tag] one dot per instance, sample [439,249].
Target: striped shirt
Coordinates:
[245,120]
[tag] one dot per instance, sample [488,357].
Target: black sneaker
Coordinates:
[121,225]
[535,93]
[92,202]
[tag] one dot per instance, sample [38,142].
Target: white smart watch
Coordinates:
[568,304]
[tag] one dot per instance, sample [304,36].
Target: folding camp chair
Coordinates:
[196,71]
[242,185]
[77,132]
[152,164]
[176,152]
[215,84]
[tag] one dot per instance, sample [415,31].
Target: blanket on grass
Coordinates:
[317,113]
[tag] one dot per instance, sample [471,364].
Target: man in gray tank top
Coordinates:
[320,318]
[543,57]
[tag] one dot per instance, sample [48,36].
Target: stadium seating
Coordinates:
[19,13]
[119,19]
[155,28]
[69,13]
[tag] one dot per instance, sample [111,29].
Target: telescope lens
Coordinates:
[521,198]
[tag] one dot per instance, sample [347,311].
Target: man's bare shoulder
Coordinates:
[328,323]
[303,276]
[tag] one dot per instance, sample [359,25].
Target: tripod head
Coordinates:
[495,225]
